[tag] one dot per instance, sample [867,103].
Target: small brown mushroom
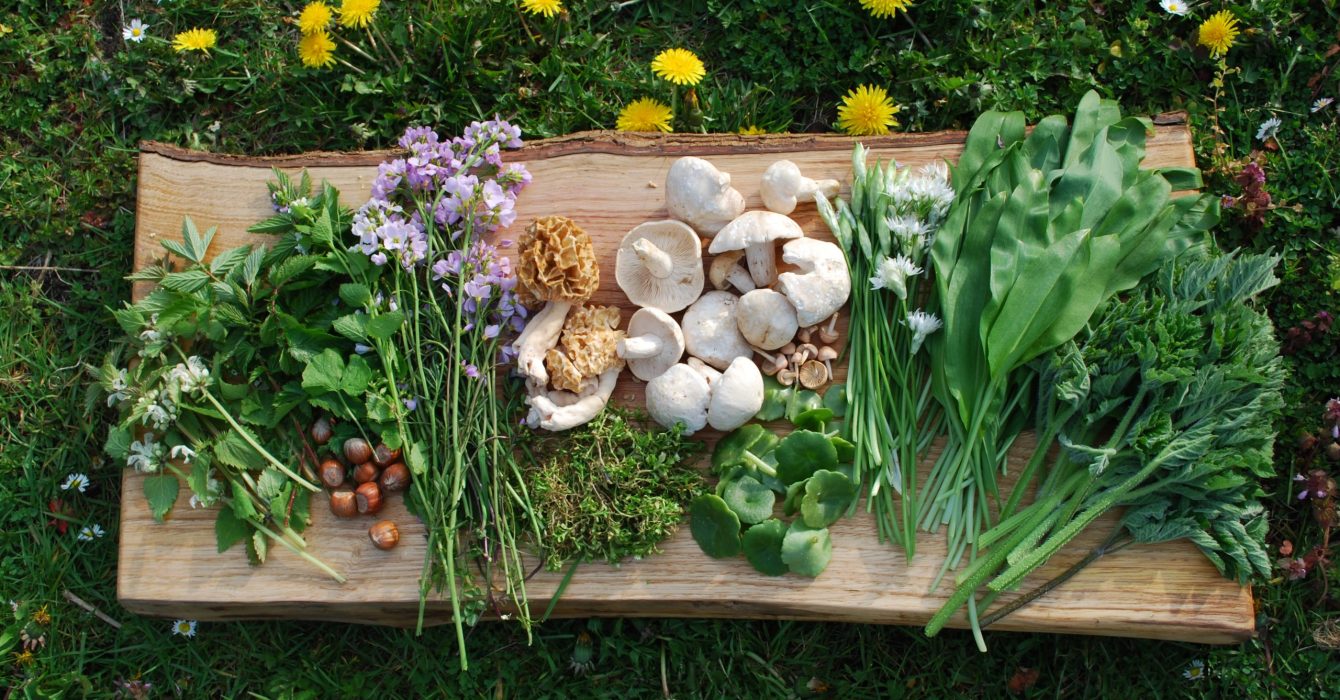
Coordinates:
[827,355]
[805,333]
[805,352]
[828,334]
[813,374]
[788,349]
[772,364]
[786,377]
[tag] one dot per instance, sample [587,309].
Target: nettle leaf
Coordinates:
[749,498]
[352,326]
[356,376]
[323,373]
[229,529]
[355,295]
[715,527]
[807,550]
[383,326]
[270,483]
[827,495]
[762,546]
[233,450]
[161,492]
[118,443]
[260,546]
[802,453]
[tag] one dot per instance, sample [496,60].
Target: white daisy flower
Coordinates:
[1194,671]
[1173,7]
[144,454]
[135,31]
[892,275]
[1269,129]
[922,325]
[1321,103]
[75,481]
[89,533]
[185,628]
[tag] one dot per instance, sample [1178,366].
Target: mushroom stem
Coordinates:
[741,279]
[546,414]
[540,334]
[642,346]
[762,258]
[657,261]
[829,334]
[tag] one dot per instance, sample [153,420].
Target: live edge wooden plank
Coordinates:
[609,182]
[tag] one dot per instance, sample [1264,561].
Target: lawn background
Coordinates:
[75,99]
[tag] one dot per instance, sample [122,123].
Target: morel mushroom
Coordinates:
[556,265]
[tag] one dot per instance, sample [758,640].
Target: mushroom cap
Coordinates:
[737,396]
[783,184]
[656,323]
[766,319]
[556,262]
[813,374]
[644,285]
[754,228]
[679,395]
[710,331]
[823,283]
[701,196]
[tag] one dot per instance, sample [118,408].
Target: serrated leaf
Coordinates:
[290,268]
[118,443]
[355,295]
[357,375]
[160,490]
[252,267]
[187,281]
[352,326]
[232,449]
[270,483]
[274,225]
[260,546]
[224,262]
[229,529]
[177,249]
[323,373]
[383,326]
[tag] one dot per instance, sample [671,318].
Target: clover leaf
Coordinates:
[763,547]
[802,453]
[751,500]
[806,550]
[715,528]
[827,495]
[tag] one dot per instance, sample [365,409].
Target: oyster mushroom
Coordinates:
[726,271]
[783,186]
[736,396]
[754,232]
[654,343]
[701,196]
[556,265]
[821,286]
[679,395]
[766,319]
[711,332]
[660,265]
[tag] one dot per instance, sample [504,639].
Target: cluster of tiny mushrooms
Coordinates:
[571,353]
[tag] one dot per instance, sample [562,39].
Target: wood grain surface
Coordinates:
[608,183]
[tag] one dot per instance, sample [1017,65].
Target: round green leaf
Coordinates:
[803,401]
[715,528]
[835,399]
[751,500]
[827,495]
[730,449]
[814,419]
[802,453]
[763,547]
[806,550]
[846,451]
[775,399]
[794,493]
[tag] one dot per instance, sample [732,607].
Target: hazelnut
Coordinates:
[384,534]
[368,498]
[383,455]
[1333,452]
[357,450]
[394,478]
[365,472]
[342,504]
[321,431]
[332,473]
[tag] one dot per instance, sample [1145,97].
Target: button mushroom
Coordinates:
[783,186]
[701,196]
[562,410]
[736,396]
[660,265]
[556,265]
[754,232]
[821,286]
[654,343]
[726,271]
[766,319]
[711,332]
[679,395]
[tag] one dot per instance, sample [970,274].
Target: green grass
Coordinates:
[76,99]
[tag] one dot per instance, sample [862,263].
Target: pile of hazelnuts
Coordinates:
[376,473]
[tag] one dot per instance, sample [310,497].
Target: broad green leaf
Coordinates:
[352,326]
[355,295]
[730,450]
[187,281]
[231,449]
[802,453]
[805,550]
[715,527]
[323,373]
[749,498]
[762,546]
[802,401]
[118,444]
[270,483]
[160,490]
[383,326]
[828,494]
[225,262]
[260,546]
[356,376]
[229,529]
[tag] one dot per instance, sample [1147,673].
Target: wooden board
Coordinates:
[610,182]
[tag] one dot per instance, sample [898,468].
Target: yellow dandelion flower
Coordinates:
[25,658]
[679,66]
[867,111]
[357,13]
[315,17]
[195,40]
[42,616]
[316,49]
[1218,32]
[752,130]
[645,114]
[548,8]
[886,8]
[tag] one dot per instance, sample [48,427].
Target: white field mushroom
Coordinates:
[821,286]
[660,265]
[701,196]
[783,186]
[709,373]
[654,343]
[726,271]
[736,396]
[679,395]
[711,332]
[766,319]
[754,232]
[561,410]
[556,264]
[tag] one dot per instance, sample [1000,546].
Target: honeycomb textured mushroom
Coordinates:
[654,343]
[822,284]
[766,319]
[711,332]
[660,265]
[701,196]
[556,264]
[736,396]
[783,186]
[754,232]
[587,348]
[679,395]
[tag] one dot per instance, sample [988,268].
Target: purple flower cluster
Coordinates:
[487,284]
[385,233]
